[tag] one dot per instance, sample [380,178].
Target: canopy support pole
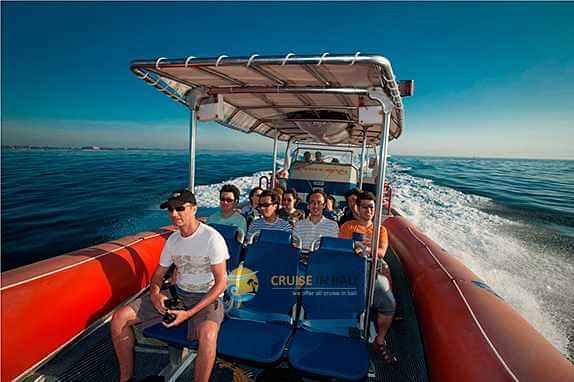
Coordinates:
[363,153]
[193,100]
[386,103]
[274,177]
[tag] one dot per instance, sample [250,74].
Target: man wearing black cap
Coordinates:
[199,252]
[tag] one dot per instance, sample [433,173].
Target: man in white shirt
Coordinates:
[316,225]
[199,253]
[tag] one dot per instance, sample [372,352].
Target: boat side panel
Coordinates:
[469,332]
[42,313]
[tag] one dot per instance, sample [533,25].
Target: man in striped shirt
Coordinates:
[268,206]
[316,225]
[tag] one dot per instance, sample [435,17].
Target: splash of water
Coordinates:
[533,283]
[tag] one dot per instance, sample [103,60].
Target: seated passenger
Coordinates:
[318,157]
[200,253]
[289,212]
[279,191]
[334,160]
[350,212]
[307,156]
[316,225]
[330,212]
[383,301]
[250,211]
[228,198]
[268,206]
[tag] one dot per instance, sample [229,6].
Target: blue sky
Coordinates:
[491,79]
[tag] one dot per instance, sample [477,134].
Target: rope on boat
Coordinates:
[80,262]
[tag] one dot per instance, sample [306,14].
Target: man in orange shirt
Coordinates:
[383,302]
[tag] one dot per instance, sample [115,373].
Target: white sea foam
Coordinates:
[527,280]
[532,282]
[208,195]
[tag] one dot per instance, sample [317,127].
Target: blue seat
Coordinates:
[229,233]
[259,329]
[261,326]
[324,344]
[329,355]
[176,336]
[335,244]
[255,341]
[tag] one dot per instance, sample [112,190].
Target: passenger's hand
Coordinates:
[380,253]
[180,316]
[385,270]
[158,302]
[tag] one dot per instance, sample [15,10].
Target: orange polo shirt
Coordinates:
[347,229]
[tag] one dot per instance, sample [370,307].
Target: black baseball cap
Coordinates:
[179,198]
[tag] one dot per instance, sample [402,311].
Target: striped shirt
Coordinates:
[259,224]
[308,231]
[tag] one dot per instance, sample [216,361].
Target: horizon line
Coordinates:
[128,148]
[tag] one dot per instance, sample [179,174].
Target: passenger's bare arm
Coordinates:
[220,275]
[158,298]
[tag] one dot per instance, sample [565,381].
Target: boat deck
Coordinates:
[92,358]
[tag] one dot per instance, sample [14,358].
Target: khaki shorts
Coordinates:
[147,316]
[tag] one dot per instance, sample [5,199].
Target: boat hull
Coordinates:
[47,304]
[469,332]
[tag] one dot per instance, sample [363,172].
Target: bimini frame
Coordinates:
[351,100]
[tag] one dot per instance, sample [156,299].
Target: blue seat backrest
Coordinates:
[233,246]
[274,237]
[338,282]
[275,263]
[335,244]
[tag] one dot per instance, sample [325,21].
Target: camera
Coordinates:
[174,303]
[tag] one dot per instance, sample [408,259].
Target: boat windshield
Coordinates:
[323,155]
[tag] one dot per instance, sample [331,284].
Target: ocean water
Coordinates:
[509,221]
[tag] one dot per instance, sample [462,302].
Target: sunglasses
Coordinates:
[227,200]
[370,207]
[265,205]
[178,209]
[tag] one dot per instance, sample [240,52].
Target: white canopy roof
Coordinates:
[306,99]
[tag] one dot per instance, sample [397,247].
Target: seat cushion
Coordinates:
[254,341]
[176,336]
[329,355]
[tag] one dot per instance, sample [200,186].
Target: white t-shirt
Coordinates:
[193,257]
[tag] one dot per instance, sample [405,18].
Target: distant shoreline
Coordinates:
[102,148]
[84,148]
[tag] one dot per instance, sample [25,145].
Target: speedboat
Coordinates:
[282,325]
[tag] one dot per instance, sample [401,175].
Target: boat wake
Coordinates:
[533,282]
[208,195]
